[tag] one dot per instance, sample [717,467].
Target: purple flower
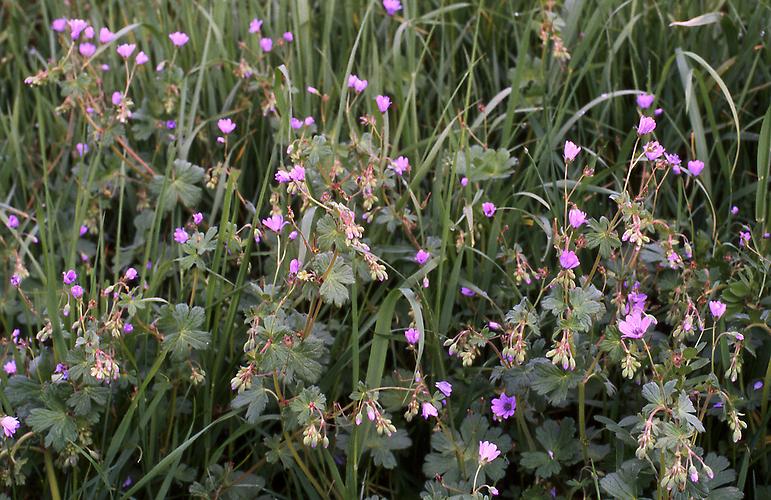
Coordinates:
[180,235]
[106,36]
[87,49]
[422,257]
[293,235]
[295,123]
[13,221]
[125,50]
[266,44]
[758,385]
[131,274]
[197,218]
[569,260]
[717,308]
[636,301]
[116,98]
[283,177]
[576,217]
[128,328]
[658,112]
[10,367]
[464,181]
[297,173]
[171,124]
[383,103]
[309,120]
[401,165]
[504,406]
[15,280]
[288,36]
[141,58]
[488,452]
[488,208]
[10,425]
[570,151]
[226,125]
[76,27]
[744,238]
[81,148]
[445,387]
[644,101]
[59,25]
[179,39]
[734,210]
[275,223]
[255,26]
[674,161]
[468,292]
[428,410]
[77,291]
[492,325]
[357,84]
[392,6]
[69,277]
[295,265]
[635,325]
[653,150]
[88,32]
[412,335]
[646,126]
[62,369]
[695,167]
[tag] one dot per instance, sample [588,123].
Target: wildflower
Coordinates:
[636,301]
[62,372]
[128,328]
[125,50]
[13,221]
[297,173]
[412,336]
[116,98]
[674,161]
[179,39]
[180,235]
[293,235]
[226,125]
[504,406]
[283,177]
[10,367]
[383,103]
[141,58]
[295,123]
[717,308]
[69,277]
[653,150]
[88,33]
[744,238]
[197,218]
[644,101]
[357,84]
[77,291]
[255,25]
[646,126]
[288,36]
[266,44]
[489,209]
[658,112]
[295,265]
[695,167]
[492,325]
[570,152]
[401,165]
[275,223]
[636,324]
[734,210]
[445,387]
[81,148]
[59,25]
[131,274]
[309,120]
[576,217]
[10,425]
[15,280]
[488,452]
[569,260]
[87,49]
[468,292]
[106,36]
[422,257]
[464,181]
[171,124]
[392,6]
[758,385]
[428,410]
[76,27]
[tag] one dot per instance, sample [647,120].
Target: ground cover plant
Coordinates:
[385,249]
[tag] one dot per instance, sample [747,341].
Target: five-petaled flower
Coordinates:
[178,38]
[421,257]
[180,235]
[695,167]
[569,259]
[392,6]
[488,452]
[125,50]
[636,324]
[571,151]
[488,208]
[429,410]
[445,387]
[275,223]
[504,406]
[401,165]
[383,103]
[226,125]
[10,425]
[646,126]
[412,335]
[644,101]
[717,308]
[576,217]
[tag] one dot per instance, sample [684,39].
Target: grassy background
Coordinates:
[460,74]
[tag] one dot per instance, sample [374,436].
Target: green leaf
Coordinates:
[551,382]
[543,464]
[328,234]
[255,398]
[81,400]
[558,439]
[333,289]
[181,187]
[60,427]
[602,236]
[382,447]
[180,324]
[622,484]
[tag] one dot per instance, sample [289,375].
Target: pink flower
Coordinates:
[635,325]
[412,336]
[13,221]
[297,173]
[180,235]
[645,100]
[653,150]
[128,328]
[569,260]
[309,120]
[467,292]
[59,25]
[197,218]
[488,452]
[81,148]
[10,425]
[392,6]
[69,277]
[125,50]
[744,238]
[646,126]
[357,84]
[179,39]
[293,235]
[422,257]
[488,208]
[117,98]
[570,151]
[428,410]
[313,90]
[504,406]
[266,44]
[283,177]
[695,167]
[88,33]
[401,165]
[226,125]
[658,112]
[255,26]
[77,291]
[295,123]
[275,223]
[15,280]
[464,181]
[288,36]
[87,49]
[10,367]
[295,265]
[734,210]
[674,161]
[76,27]
[141,58]
[576,217]
[717,308]
[492,325]
[106,36]
[383,103]
[445,387]
[131,274]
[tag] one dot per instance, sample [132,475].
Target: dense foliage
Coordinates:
[384,249]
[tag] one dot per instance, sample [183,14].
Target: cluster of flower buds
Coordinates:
[675,476]
[465,345]
[629,365]
[646,439]
[376,415]
[313,435]
[736,424]
[104,366]
[516,346]
[243,379]
[562,353]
